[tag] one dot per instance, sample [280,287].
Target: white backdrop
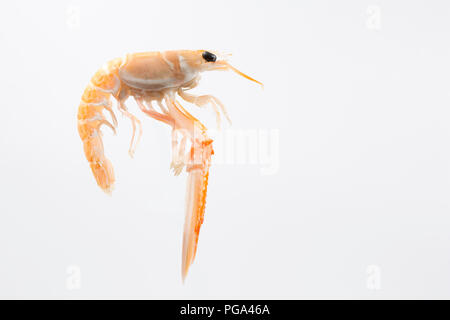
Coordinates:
[347,195]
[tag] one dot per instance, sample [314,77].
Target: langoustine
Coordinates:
[157,78]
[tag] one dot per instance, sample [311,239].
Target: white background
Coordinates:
[358,92]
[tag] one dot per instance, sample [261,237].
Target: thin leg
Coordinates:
[98,121]
[149,103]
[202,101]
[108,124]
[111,112]
[135,123]
[146,103]
[178,153]
[154,114]
[161,106]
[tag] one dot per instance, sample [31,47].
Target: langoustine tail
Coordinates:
[196,190]
[95,100]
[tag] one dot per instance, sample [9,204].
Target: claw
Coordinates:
[197,185]
[195,208]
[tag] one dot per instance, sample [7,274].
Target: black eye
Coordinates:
[208,56]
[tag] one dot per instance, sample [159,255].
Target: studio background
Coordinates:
[350,198]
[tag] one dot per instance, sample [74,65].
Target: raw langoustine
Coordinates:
[156,78]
